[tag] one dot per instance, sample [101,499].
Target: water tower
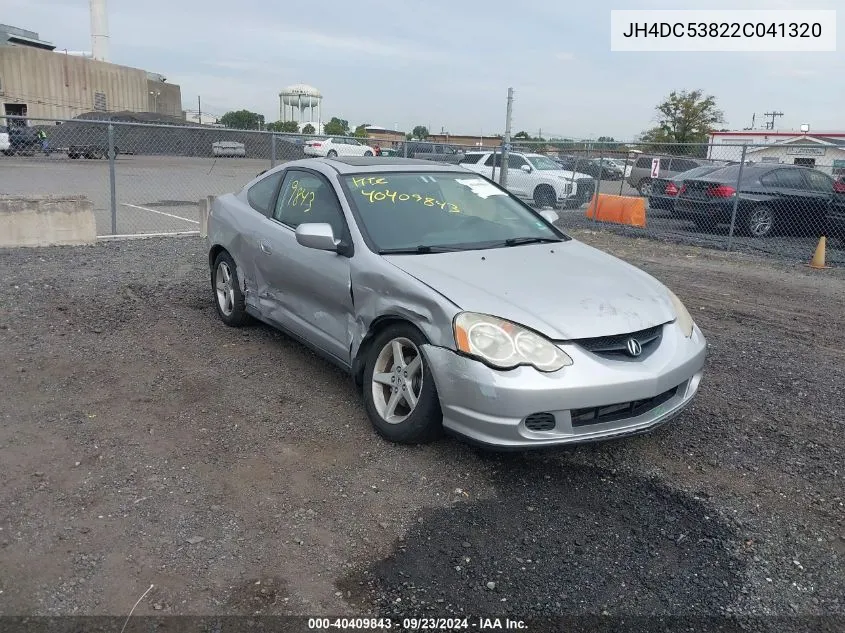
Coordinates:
[300,97]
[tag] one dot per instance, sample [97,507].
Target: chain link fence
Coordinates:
[777,199]
[143,178]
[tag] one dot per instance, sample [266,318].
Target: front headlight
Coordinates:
[506,345]
[682,314]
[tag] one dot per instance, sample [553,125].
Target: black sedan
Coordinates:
[664,191]
[769,199]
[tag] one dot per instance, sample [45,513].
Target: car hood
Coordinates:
[565,291]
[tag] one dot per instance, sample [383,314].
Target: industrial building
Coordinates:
[822,150]
[38,81]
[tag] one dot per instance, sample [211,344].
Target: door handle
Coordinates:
[265,249]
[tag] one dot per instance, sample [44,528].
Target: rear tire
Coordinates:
[760,221]
[368,153]
[331,153]
[544,196]
[399,392]
[644,187]
[226,287]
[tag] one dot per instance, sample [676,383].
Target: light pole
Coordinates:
[155,95]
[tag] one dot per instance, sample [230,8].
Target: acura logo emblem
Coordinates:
[633,346]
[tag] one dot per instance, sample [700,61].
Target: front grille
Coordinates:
[540,422]
[621,411]
[617,344]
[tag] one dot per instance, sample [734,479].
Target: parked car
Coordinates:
[430,151]
[336,146]
[605,170]
[770,198]
[534,178]
[452,304]
[640,176]
[5,144]
[664,191]
[23,139]
[623,164]
[228,148]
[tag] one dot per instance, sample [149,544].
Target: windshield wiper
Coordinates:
[417,250]
[516,241]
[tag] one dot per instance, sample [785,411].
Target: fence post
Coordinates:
[112,182]
[598,189]
[272,151]
[736,197]
[503,168]
[405,148]
[624,169]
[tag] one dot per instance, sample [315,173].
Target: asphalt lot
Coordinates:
[142,442]
[155,194]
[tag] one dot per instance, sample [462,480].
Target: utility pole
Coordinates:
[506,144]
[770,125]
[199,109]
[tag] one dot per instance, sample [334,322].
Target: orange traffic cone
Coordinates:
[818,256]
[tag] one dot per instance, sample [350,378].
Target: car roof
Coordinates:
[358,164]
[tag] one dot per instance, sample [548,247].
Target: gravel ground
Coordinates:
[142,442]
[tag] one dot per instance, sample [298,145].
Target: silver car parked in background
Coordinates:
[453,304]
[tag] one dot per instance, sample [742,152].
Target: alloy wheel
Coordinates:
[397,380]
[225,289]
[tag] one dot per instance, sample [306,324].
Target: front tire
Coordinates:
[399,392]
[645,187]
[544,196]
[368,153]
[228,298]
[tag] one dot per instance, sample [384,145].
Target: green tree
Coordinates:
[337,127]
[242,120]
[361,131]
[308,129]
[684,117]
[420,132]
[291,127]
[522,134]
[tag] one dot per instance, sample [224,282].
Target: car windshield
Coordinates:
[403,211]
[542,163]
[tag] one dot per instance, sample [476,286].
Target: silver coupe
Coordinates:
[452,304]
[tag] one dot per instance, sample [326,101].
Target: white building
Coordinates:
[822,150]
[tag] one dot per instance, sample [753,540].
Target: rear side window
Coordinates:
[470,159]
[791,178]
[260,195]
[644,161]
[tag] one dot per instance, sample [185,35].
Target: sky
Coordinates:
[448,65]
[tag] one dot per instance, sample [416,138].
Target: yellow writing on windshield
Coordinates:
[394,196]
[300,196]
[368,180]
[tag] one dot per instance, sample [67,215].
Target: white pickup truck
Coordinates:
[534,178]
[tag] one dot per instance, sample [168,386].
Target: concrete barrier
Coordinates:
[204,210]
[46,221]
[617,209]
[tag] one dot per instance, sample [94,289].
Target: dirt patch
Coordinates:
[142,442]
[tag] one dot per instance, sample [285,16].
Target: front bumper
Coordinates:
[490,406]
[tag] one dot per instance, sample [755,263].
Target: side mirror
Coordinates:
[317,235]
[526,169]
[550,216]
